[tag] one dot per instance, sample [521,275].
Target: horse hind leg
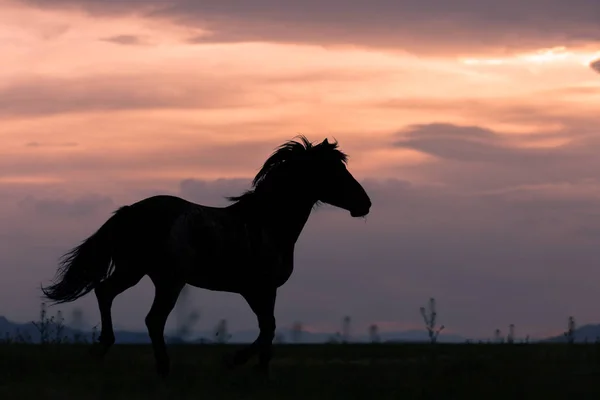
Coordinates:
[106,291]
[165,298]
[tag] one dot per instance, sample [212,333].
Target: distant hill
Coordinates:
[582,334]
[28,330]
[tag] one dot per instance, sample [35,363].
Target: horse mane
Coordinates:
[291,152]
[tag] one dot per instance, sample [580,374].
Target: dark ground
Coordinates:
[378,371]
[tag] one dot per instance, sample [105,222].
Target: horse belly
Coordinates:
[215,269]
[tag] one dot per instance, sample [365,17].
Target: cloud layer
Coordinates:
[416,25]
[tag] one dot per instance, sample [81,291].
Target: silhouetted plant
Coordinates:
[94,333]
[279,338]
[297,332]
[335,338]
[77,325]
[222,335]
[374,334]
[346,322]
[18,338]
[570,333]
[430,316]
[185,327]
[511,334]
[46,325]
[77,319]
[185,320]
[59,328]
[498,336]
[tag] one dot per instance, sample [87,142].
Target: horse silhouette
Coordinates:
[246,247]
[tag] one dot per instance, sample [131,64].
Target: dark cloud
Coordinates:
[548,106]
[416,25]
[128,40]
[466,143]
[53,208]
[472,157]
[596,65]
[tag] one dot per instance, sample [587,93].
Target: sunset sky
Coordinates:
[473,125]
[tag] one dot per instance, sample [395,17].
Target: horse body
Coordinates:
[246,247]
[224,249]
[214,248]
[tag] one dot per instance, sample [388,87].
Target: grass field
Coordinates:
[380,371]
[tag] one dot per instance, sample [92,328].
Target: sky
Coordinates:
[473,126]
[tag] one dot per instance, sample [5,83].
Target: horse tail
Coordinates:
[86,265]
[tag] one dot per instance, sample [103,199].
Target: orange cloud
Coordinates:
[79,83]
[46,96]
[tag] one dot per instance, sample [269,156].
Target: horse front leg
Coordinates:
[262,304]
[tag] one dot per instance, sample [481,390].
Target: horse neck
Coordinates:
[283,215]
[289,220]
